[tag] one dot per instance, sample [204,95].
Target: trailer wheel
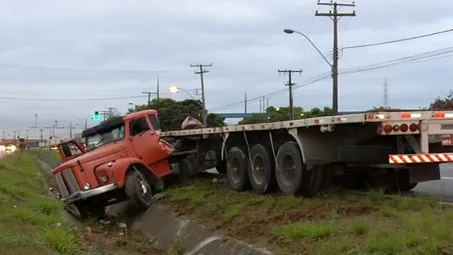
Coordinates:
[327,178]
[290,168]
[237,169]
[261,175]
[317,176]
[138,190]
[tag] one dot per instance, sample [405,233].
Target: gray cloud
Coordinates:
[243,40]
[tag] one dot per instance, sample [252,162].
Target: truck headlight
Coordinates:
[87,186]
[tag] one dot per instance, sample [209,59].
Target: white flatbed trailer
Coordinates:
[395,149]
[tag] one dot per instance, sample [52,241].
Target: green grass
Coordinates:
[298,230]
[334,223]
[30,221]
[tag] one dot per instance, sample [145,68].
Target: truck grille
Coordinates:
[61,185]
[68,184]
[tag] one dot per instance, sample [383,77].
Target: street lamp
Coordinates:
[204,113]
[333,66]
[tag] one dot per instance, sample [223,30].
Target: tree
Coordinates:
[282,113]
[172,113]
[254,118]
[443,104]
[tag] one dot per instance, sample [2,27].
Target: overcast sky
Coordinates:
[243,39]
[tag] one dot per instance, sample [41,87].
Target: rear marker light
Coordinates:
[441,115]
[388,128]
[413,127]
[410,115]
[396,128]
[404,127]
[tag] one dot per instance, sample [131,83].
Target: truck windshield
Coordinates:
[100,139]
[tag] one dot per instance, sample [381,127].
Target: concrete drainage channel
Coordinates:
[164,229]
[194,237]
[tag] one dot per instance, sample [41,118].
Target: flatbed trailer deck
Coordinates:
[395,149]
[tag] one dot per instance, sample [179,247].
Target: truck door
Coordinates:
[145,141]
[69,150]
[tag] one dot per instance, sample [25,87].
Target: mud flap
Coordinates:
[363,154]
[423,172]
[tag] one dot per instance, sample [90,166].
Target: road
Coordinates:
[442,188]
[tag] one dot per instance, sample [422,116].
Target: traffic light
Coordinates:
[96,116]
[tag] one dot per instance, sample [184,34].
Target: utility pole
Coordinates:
[158,87]
[245,102]
[14,135]
[36,120]
[110,112]
[41,137]
[26,134]
[290,85]
[149,93]
[204,113]
[386,93]
[86,123]
[335,16]
[70,130]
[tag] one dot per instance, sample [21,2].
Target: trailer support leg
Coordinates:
[424,139]
[248,149]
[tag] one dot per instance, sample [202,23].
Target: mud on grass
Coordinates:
[332,223]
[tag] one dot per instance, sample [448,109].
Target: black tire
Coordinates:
[327,179]
[289,154]
[237,169]
[185,170]
[87,210]
[138,190]
[262,181]
[317,181]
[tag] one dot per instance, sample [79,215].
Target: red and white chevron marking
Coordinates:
[421,158]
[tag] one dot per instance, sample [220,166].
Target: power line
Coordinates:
[413,58]
[306,83]
[409,59]
[68,100]
[41,68]
[398,40]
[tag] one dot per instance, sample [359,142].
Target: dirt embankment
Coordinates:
[335,222]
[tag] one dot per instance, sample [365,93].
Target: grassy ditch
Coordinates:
[332,223]
[30,221]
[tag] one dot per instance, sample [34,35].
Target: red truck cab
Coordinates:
[124,159]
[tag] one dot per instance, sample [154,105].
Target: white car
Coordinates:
[10,148]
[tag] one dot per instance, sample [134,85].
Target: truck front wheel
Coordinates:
[138,190]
